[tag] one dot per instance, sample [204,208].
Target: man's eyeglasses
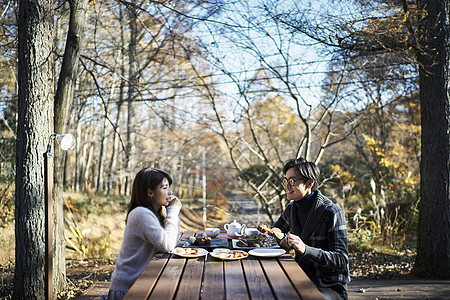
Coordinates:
[291,181]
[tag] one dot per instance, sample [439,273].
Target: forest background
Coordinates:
[226,89]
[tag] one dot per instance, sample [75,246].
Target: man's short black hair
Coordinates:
[306,169]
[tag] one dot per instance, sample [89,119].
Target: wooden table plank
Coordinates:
[146,281]
[304,286]
[257,282]
[168,281]
[191,281]
[235,285]
[280,284]
[213,282]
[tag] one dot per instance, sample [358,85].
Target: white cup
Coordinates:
[251,231]
[212,231]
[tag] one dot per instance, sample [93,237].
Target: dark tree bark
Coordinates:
[69,68]
[34,127]
[433,245]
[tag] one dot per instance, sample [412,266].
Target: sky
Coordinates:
[241,40]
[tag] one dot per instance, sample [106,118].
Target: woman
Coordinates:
[152,224]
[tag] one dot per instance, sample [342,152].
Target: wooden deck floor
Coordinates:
[358,289]
[399,289]
[97,289]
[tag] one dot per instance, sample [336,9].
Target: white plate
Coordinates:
[224,255]
[181,252]
[267,252]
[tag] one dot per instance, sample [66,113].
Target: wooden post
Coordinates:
[48,168]
[204,185]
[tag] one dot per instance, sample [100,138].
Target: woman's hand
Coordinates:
[174,201]
[296,243]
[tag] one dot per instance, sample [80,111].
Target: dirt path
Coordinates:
[239,207]
[192,220]
[245,210]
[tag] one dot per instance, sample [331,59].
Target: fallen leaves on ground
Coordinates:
[374,265]
[82,273]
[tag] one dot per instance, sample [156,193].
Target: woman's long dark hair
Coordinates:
[147,178]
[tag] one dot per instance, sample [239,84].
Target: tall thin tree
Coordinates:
[63,100]
[132,91]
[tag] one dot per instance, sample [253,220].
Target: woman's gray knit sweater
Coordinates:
[142,237]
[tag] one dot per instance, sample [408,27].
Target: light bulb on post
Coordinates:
[66,141]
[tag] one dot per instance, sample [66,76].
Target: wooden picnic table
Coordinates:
[168,276]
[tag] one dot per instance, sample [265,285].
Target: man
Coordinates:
[315,229]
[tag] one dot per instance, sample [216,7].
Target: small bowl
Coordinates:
[212,231]
[251,231]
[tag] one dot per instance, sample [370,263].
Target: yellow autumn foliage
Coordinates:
[395,158]
[344,176]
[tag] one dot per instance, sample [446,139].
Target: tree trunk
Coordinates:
[115,147]
[87,180]
[131,96]
[63,100]
[82,168]
[115,143]
[35,125]
[78,158]
[69,68]
[101,154]
[433,244]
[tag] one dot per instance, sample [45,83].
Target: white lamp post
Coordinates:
[65,141]
[204,185]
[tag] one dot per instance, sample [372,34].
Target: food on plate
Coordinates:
[200,240]
[179,250]
[244,243]
[257,241]
[190,251]
[232,254]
